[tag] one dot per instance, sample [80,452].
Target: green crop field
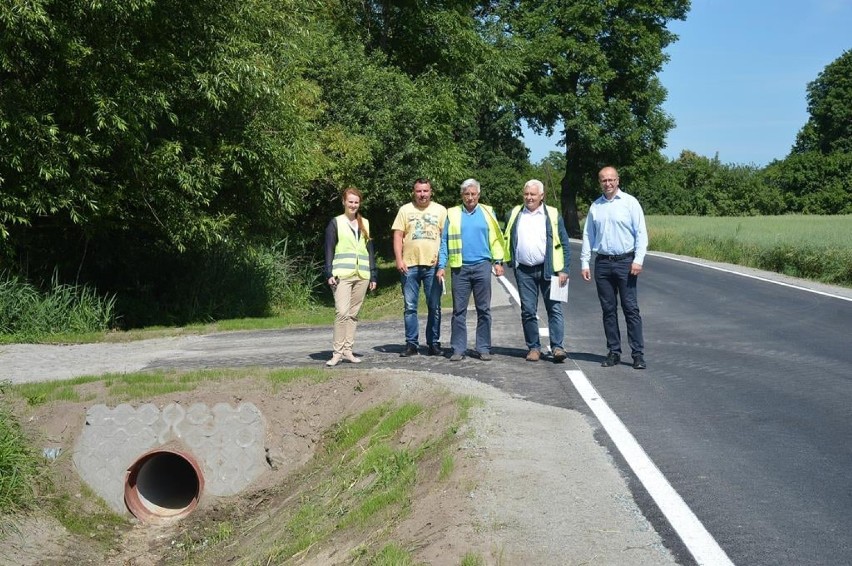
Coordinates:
[812,247]
[812,231]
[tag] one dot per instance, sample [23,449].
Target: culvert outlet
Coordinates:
[163,485]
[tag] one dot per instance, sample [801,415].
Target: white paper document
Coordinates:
[558,293]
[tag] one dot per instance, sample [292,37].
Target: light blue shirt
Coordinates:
[614,227]
[474,238]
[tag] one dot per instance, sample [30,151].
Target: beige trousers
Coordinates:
[348,298]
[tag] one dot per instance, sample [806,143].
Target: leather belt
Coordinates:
[628,255]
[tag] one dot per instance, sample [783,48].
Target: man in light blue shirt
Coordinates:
[615,232]
[471,243]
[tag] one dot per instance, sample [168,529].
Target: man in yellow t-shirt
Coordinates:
[416,240]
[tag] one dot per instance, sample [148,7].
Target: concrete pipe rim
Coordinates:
[163,485]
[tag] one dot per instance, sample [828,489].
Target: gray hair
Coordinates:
[535,183]
[470,183]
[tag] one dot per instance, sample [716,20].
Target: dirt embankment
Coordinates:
[526,485]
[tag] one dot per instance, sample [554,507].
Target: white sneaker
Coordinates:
[350,357]
[335,359]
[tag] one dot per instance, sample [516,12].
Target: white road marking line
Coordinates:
[750,276]
[697,539]
[510,289]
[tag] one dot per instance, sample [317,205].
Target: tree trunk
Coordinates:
[571,184]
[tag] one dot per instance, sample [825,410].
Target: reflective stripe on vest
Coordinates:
[556,242]
[454,238]
[350,255]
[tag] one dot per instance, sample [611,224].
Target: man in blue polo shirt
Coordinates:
[471,243]
[615,231]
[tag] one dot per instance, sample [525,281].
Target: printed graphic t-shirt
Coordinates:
[422,232]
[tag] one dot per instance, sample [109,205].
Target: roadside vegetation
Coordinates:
[27,313]
[19,468]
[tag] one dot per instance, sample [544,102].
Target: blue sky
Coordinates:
[737,77]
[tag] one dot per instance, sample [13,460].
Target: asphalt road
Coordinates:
[746,405]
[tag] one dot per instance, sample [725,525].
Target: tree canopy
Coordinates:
[160,147]
[590,69]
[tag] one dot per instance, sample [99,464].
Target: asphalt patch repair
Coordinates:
[440,466]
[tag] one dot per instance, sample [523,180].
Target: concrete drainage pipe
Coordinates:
[163,485]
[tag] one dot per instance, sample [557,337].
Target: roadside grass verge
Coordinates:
[349,498]
[146,384]
[19,468]
[809,247]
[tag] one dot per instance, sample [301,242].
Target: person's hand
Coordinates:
[440,275]
[563,279]
[372,286]
[401,267]
[635,269]
[587,274]
[332,281]
[498,270]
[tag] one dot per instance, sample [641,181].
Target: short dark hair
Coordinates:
[422,181]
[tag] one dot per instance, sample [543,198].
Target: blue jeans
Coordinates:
[532,281]
[411,282]
[613,280]
[474,279]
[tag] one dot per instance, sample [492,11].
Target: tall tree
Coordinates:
[829,127]
[591,70]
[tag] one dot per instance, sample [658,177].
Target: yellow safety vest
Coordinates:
[350,255]
[454,238]
[556,241]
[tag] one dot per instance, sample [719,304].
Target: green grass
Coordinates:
[19,468]
[29,314]
[810,247]
[471,559]
[101,525]
[392,555]
[146,384]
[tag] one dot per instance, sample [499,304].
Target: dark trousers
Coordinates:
[613,280]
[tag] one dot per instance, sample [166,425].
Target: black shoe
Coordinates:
[435,350]
[639,362]
[410,350]
[611,359]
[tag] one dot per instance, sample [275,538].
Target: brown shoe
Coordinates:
[559,355]
[533,355]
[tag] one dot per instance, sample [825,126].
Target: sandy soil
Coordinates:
[529,485]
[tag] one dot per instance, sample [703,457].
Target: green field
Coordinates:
[813,247]
[817,231]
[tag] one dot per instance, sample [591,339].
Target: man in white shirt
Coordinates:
[537,245]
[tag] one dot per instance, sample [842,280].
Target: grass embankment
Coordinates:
[19,468]
[358,486]
[811,247]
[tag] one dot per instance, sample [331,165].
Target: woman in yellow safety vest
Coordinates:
[350,269]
